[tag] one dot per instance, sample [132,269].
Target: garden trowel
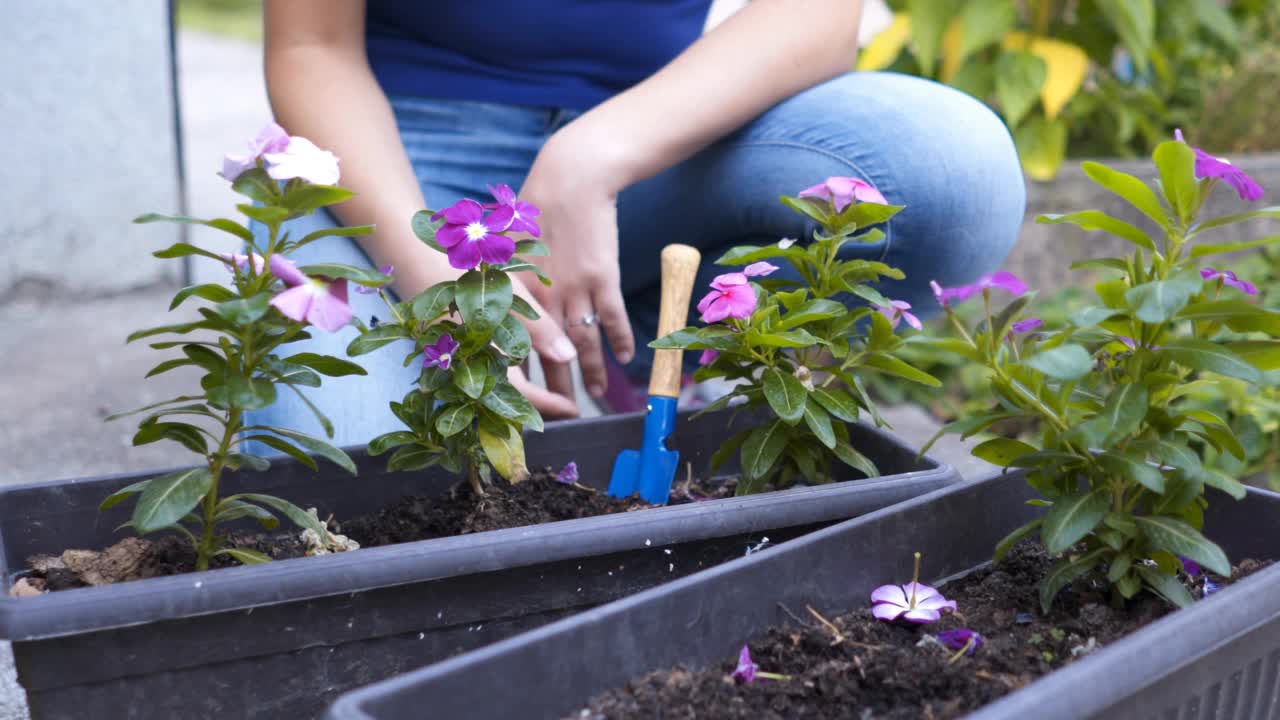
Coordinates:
[651,469]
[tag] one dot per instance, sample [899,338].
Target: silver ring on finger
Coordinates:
[587,320]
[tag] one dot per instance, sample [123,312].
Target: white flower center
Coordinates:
[476,230]
[444,357]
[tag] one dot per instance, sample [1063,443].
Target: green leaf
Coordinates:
[469,376]
[532,248]
[929,18]
[1019,76]
[207,291]
[1002,451]
[1041,145]
[983,23]
[1227,484]
[1135,22]
[728,448]
[243,311]
[410,458]
[349,231]
[265,214]
[312,445]
[369,341]
[1097,220]
[229,510]
[1131,189]
[1179,538]
[761,449]
[1087,317]
[747,254]
[512,338]
[837,401]
[1133,470]
[504,448]
[1239,315]
[855,459]
[296,515]
[187,435]
[708,338]
[1006,544]
[1262,354]
[1159,301]
[245,555]
[1101,264]
[820,423]
[1176,162]
[433,302]
[166,499]
[455,419]
[786,395]
[1072,517]
[223,224]
[241,393]
[363,276]
[521,307]
[1065,362]
[788,338]
[1065,572]
[236,461]
[181,249]
[812,311]
[255,184]
[507,402]
[386,441]
[483,299]
[326,365]
[1125,409]
[124,493]
[425,228]
[1207,356]
[894,366]
[168,365]
[287,448]
[302,199]
[811,208]
[1166,586]
[152,406]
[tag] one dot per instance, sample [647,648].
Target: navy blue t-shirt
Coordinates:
[553,53]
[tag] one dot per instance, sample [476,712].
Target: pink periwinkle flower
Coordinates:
[270,139]
[1208,166]
[522,213]
[746,670]
[302,159]
[366,290]
[469,236]
[841,191]
[912,602]
[961,639]
[732,296]
[759,269]
[1025,326]
[708,356]
[1003,280]
[568,474]
[440,353]
[240,261]
[896,311]
[318,301]
[1229,278]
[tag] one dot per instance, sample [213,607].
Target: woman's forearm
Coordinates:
[328,95]
[767,52]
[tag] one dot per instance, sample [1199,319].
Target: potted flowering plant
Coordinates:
[1125,603]
[297,632]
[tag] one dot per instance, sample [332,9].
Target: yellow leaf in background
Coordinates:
[951,51]
[1067,66]
[885,47]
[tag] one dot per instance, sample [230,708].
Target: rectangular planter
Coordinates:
[285,639]
[1217,659]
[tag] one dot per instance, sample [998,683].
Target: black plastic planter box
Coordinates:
[1217,659]
[283,640]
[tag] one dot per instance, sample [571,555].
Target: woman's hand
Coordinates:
[574,183]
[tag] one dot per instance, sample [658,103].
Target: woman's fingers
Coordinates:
[612,310]
[584,329]
[553,347]
[552,405]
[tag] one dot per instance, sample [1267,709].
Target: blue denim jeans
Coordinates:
[936,150]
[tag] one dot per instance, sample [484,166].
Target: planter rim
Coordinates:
[138,602]
[1204,625]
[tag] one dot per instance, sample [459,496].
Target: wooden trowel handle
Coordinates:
[679,265]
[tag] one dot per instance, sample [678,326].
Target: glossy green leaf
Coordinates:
[893,366]
[361,275]
[504,448]
[302,199]
[386,441]
[433,302]
[507,402]
[208,291]
[166,499]
[532,248]
[227,226]
[312,445]
[245,555]
[854,459]
[811,311]
[1001,451]
[1097,220]
[761,449]
[1207,356]
[1064,362]
[1166,586]
[1134,470]
[1176,162]
[469,376]
[410,458]
[237,461]
[231,509]
[326,365]
[820,423]
[1239,315]
[124,493]
[521,307]
[243,311]
[1224,482]
[1072,517]
[1177,537]
[787,338]
[455,419]
[512,338]
[287,448]
[182,433]
[785,394]
[369,341]
[1087,317]
[1125,409]
[295,514]
[483,300]
[1006,544]
[255,184]
[1160,300]
[1131,189]
[836,401]
[1065,572]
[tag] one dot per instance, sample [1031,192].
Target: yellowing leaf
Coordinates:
[504,448]
[1041,146]
[1067,65]
[885,47]
[951,42]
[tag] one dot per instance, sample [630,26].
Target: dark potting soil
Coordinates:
[873,669]
[540,499]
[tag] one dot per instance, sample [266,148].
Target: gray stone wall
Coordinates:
[89,141]
[1044,253]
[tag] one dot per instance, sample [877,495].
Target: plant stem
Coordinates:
[206,546]
[473,477]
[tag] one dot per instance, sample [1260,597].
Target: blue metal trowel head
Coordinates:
[649,470]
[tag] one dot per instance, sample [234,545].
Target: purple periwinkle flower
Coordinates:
[366,290]
[302,159]
[568,474]
[1210,587]
[1025,326]
[1190,567]
[708,356]
[1002,280]
[1229,278]
[469,236]
[1208,166]
[841,191]
[270,139]
[746,670]
[318,301]
[759,269]
[523,214]
[896,311]
[912,602]
[440,353]
[240,261]
[731,296]
[961,639]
